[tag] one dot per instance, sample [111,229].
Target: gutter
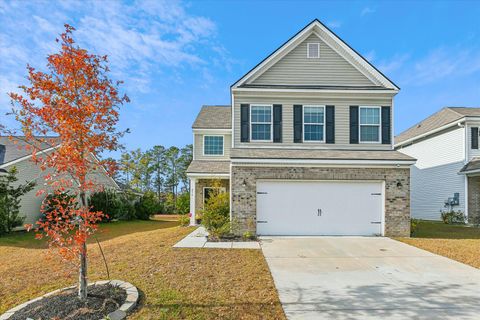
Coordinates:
[448,125]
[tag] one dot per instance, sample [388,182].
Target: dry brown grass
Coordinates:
[175,283]
[457,242]
[463,250]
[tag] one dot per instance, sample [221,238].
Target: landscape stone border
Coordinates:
[119,314]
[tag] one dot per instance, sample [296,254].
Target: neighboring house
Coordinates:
[305,148]
[14,154]
[447,173]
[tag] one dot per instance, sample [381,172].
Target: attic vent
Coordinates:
[313,50]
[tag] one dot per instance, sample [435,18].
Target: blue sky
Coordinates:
[176,56]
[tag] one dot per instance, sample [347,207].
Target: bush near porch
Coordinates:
[457,242]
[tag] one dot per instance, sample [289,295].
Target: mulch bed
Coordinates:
[101,300]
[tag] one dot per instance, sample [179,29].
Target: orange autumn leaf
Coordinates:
[76,100]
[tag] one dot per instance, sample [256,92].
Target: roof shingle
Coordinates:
[440,118]
[312,154]
[214,117]
[214,167]
[16,147]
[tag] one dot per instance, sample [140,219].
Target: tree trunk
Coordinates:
[82,272]
[82,275]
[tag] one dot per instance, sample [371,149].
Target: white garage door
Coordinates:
[319,208]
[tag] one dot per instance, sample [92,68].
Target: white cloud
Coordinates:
[367,10]
[446,62]
[393,64]
[141,38]
[335,24]
[370,56]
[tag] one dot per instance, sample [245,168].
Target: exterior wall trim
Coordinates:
[209,175]
[323,162]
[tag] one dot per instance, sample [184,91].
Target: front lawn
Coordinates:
[174,283]
[458,242]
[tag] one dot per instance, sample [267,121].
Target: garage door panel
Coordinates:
[319,208]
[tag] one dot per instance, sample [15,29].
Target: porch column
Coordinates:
[193,182]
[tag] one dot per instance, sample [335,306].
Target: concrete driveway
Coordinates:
[369,278]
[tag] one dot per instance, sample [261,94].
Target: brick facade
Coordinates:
[473,200]
[397,198]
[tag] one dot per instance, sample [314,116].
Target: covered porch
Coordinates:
[472,176]
[205,176]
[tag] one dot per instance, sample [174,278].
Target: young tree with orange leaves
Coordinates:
[76,100]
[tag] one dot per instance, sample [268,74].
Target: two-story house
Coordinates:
[447,172]
[305,148]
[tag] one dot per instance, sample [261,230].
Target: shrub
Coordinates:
[126,209]
[183,203]
[147,206]
[216,214]
[108,202]
[10,201]
[414,226]
[184,220]
[453,217]
[52,200]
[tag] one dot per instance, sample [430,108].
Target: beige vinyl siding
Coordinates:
[341,101]
[227,145]
[330,69]
[30,204]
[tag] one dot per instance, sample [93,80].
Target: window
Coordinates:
[313,123]
[208,191]
[313,50]
[369,124]
[213,145]
[261,122]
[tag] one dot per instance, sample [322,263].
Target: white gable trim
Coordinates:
[353,57]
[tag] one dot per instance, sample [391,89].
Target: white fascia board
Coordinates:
[469,172]
[274,55]
[206,130]
[105,171]
[209,175]
[8,164]
[322,162]
[284,49]
[423,135]
[391,91]
[355,56]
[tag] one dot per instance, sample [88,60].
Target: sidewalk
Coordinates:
[198,239]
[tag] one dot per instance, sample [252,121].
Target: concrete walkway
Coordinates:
[198,239]
[369,278]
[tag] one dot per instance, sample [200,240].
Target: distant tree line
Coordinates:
[159,170]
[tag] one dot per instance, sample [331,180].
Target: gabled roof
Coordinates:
[16,147]
[444,117]
[316,27]
[214,117]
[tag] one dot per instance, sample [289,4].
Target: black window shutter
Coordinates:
[386,125]
[297,123]
[277,123]
[353,124]
[245,123]
[474,132]
[330,124]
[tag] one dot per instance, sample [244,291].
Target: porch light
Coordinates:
[244,183]
[399,184]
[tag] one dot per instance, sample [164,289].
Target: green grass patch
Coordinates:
[440,230]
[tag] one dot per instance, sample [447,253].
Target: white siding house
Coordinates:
[442,145]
